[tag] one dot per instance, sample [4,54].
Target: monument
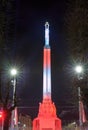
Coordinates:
[47,118]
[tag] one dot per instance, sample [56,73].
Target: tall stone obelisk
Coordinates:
[47,118]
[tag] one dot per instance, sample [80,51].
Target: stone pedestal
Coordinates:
[47,118]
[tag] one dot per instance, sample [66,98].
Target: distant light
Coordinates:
[14,72]
[24,125]
[1,115]
[79,69]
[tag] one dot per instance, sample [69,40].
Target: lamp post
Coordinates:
[79,70]
[14,73]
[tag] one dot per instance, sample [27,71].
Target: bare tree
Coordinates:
[76,24]
[5,34]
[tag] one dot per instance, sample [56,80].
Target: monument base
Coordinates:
[47,118]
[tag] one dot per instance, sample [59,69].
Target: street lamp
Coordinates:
[14,73]
[79,71]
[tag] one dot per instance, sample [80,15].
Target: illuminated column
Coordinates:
[47,66]
[47,118]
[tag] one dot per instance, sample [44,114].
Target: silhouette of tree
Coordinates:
[6,38]
[76,24]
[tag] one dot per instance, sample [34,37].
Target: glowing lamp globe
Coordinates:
[79,69]
[13,72]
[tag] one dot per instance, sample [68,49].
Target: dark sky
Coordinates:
[31,17]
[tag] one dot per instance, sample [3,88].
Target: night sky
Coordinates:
[30,20]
